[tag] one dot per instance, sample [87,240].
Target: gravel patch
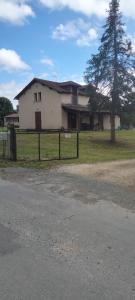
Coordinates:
[120,173]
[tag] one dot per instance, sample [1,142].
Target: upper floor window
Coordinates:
[37,97]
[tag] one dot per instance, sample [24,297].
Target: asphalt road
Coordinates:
[65,238]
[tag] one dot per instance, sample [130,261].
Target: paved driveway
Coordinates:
[64,237]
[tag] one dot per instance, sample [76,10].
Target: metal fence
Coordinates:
[4,144]
[44,145]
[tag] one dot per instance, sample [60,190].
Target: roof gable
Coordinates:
[50,84]
[59,87]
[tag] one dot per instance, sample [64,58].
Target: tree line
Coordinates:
[6,108]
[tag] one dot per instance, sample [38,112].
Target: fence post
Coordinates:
[77,144]
[13,152]
[39,145]
[59,146]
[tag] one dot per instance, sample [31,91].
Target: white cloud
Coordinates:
[11,61]
[71,29]
[15,11]
[47,61]
[43,75]
[92,33]
[66,31]
[78,29]
[86,7]
[85,40]
[127,7]
[77,78]
[10,90]
[89,7]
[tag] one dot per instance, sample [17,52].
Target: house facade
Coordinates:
[51,105]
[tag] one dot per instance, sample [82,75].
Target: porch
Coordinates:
[79,117]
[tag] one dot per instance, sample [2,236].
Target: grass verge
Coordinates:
[94,147]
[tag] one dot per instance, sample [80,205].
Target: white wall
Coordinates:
[107,122]
[83,100]
[66,99]
[50,107]
[117,122]
[64,119]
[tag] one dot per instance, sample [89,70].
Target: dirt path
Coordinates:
[119,172]
[111,182]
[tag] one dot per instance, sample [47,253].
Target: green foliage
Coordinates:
[6,107]
[97,101]
[111,70]
[128,119]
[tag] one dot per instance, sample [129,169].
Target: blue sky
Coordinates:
[51,39]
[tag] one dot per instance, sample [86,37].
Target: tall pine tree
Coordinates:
[112,69]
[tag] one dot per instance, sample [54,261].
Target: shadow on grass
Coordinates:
[108,144]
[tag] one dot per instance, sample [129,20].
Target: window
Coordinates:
[35,97]
[39,97]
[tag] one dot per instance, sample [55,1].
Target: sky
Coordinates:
[51,39]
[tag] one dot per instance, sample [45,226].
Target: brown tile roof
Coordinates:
[12,115]
[60,87]
[70,83]
[52,85]
[82,108]
[77,107]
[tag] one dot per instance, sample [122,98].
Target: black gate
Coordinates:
[4,144]
[44,145]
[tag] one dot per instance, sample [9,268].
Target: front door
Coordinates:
[38,120]
[72,121]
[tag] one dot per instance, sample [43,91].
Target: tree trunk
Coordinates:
[113,133]
[115,94]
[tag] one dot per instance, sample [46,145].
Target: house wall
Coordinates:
[107,122]
[117,122]
[64,119]
[66,99]
[83,100]
[50,107]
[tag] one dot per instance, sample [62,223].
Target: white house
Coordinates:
[46,104]
[12,119]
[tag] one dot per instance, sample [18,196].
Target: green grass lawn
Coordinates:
[94,147]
